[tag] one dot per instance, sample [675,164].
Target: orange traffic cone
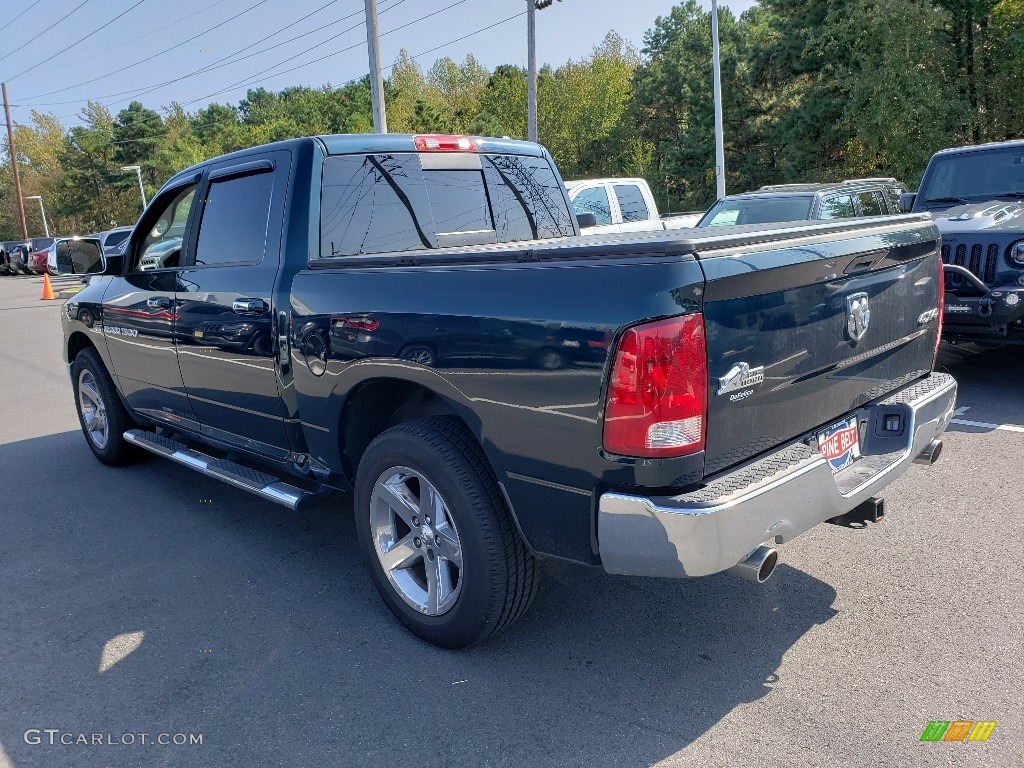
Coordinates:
[47,288]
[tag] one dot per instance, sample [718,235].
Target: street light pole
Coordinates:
[42,210]
[380,121]
[719,138]
[142,190]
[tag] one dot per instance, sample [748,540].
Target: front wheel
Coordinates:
[100,412]
[437,535]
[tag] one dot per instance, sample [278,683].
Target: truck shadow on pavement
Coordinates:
[261,631]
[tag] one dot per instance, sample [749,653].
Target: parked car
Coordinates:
[16,257]
[6,267]
[623,205]
[111,238]
[799,202]
[744,385]
[976,197]
[41,254]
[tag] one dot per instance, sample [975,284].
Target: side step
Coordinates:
[259,483]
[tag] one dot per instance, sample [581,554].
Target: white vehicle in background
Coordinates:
[623,205]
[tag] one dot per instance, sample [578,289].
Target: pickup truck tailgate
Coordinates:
[805,328]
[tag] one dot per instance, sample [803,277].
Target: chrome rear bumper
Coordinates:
[776,497]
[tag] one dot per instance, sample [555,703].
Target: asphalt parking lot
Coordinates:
[153,600]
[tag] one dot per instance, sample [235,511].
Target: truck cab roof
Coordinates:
[356,143]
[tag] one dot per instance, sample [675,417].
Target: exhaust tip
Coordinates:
[930,454]
[758,567]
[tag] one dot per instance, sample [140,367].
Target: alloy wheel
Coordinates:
[416,542]
[94,412]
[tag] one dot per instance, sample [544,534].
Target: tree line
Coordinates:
[813,90]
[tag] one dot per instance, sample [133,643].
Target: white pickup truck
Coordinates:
[624,205]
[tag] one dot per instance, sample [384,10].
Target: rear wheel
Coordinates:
[100,412]
[437,536]
[419,353]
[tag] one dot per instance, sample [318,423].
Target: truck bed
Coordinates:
[518,338]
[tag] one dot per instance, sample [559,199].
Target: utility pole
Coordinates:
[719,139]
[380,121]
[14,165]
[531,82]
[532,6]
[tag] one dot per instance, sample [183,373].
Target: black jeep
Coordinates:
[976,197]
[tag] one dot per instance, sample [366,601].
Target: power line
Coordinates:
[212,123]
[5,26]
[16,49]
[148,58]
[209,67]
[216,64]
[80,40]
[106,50]
[246,80]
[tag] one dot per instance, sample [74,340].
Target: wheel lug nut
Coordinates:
[417,541]
[428,521]
[416,521]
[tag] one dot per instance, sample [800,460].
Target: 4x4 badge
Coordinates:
[740,376]
[858,315]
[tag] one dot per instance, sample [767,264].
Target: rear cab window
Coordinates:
[407,201]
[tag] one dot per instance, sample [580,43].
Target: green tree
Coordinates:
[580,105]
[503,103]
[90,192]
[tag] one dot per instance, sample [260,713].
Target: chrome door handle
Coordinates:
[158,302]
[248,306]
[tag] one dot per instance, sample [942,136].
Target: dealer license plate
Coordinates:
[840,444]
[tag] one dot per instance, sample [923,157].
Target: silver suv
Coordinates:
[799,202]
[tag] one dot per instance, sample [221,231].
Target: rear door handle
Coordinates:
[249,306]
[159,302]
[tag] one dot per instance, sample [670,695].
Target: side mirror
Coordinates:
[80,256]
[907,201]
[586,220]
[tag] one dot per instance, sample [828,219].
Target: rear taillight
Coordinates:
[658,391]
[942,306]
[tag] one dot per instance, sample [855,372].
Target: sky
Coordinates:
[126,50]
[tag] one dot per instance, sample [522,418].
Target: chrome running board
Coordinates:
[252,480]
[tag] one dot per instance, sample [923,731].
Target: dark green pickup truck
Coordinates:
[417,320]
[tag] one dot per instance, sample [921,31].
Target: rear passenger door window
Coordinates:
[233,227]
[837,207]
[594,200]
[872,204]
[631,203]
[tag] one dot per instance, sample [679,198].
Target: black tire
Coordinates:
[116,451]
[501,575]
